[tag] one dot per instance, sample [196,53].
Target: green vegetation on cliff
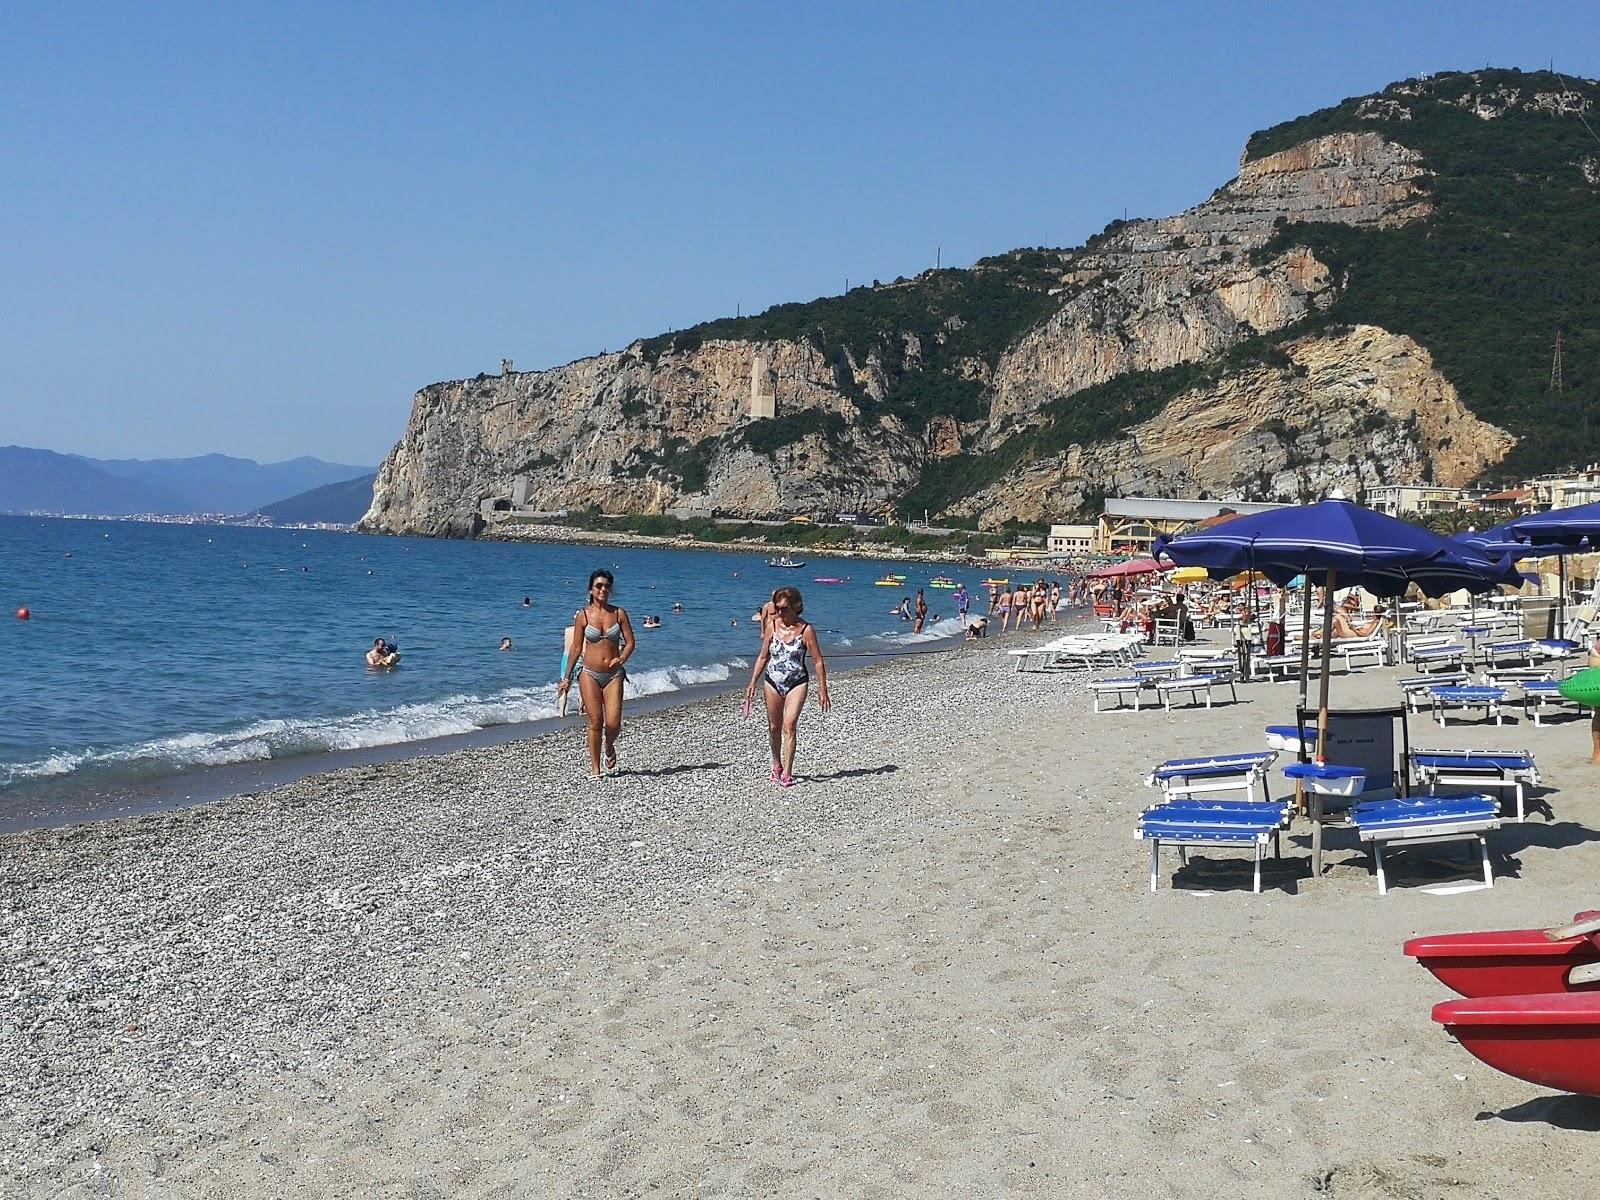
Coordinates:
[923,332]
[1506,260]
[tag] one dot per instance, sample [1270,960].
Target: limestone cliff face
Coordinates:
[643,429]
[1174,290]
[1350,410]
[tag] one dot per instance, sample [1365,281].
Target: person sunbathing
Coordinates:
[1344,627]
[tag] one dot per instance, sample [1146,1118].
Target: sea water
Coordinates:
[159,649]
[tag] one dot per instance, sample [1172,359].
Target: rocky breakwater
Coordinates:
[1351,409]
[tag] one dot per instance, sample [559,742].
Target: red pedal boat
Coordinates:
[1551,1040]
[1508,962]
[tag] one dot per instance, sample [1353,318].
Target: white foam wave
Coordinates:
[671,679]
[284,738]
[948,627]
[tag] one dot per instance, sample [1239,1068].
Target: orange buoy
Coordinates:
[23,614]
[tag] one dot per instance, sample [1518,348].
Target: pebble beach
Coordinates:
[933,968]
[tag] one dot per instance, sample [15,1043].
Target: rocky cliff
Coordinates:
[996,380]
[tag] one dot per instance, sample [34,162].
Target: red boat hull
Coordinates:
[1549,1040]
[1506,962]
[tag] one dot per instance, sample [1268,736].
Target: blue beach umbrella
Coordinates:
[1335,543]
[1560,531]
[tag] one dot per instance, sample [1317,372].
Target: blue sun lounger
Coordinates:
[1541,694]
[1212,823]
[1512,770]
[1184,777]
[1467,696]
[1426,820]
[1438,656]
[1417,687]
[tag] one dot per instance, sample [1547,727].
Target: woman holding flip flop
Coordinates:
[603,639]
[781,670]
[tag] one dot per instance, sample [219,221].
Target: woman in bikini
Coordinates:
[604,636]
[781,670]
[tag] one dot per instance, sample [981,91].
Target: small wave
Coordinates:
[948,627]
[287,738]
[671,679]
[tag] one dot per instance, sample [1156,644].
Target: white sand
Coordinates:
[942,974]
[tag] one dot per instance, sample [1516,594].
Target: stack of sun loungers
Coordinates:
[1423,820]
[1080,650]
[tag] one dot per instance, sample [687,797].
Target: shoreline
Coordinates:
[65,801]
[924,971]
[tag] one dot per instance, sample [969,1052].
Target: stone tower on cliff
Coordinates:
[763,399]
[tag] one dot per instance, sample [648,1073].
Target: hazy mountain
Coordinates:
[218,483]
[333,503]
[44,481]
[33,480]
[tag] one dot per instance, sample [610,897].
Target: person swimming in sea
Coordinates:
[603,637]
[383,655]
[505,643]
[781,669]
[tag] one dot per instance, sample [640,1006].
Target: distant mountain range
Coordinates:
[44,481]
[342,503]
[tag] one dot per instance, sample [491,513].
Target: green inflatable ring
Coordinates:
[1583,688]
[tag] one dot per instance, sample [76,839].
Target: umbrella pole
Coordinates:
[1561,598]
[1322,720]
[1305,640]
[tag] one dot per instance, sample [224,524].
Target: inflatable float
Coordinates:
[1583,687]
[827,579]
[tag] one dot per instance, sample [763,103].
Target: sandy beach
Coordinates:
[932,969]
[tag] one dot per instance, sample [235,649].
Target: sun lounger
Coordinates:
[1366,651]
[1195,686]
[1435,658]
[1424,820]
[1179,777]
[1417,687]
[1130,686]
[1212,823]
[1510,770]
[1158,670]
[1276,666]
[1467,696]
[1541,694]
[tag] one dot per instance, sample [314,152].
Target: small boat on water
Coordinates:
[787,563]
[827,579]
[889,581]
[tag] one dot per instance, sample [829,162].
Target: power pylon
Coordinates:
[1555,366]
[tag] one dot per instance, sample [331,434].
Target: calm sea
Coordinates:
[156,650]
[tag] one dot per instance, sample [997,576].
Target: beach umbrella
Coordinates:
[1190,575]
[1560,531]
[1335,543]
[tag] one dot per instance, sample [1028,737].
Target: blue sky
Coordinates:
[259,229]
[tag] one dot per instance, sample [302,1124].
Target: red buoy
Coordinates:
[23,614]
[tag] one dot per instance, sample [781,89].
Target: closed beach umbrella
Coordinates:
[1333,544]
[1134,566]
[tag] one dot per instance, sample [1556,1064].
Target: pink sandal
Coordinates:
[786,781]
[777,774]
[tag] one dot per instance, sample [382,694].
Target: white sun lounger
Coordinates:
[1538,695]
[1129,687]
[1195,687]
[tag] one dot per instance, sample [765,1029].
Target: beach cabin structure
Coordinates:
[1130,523]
